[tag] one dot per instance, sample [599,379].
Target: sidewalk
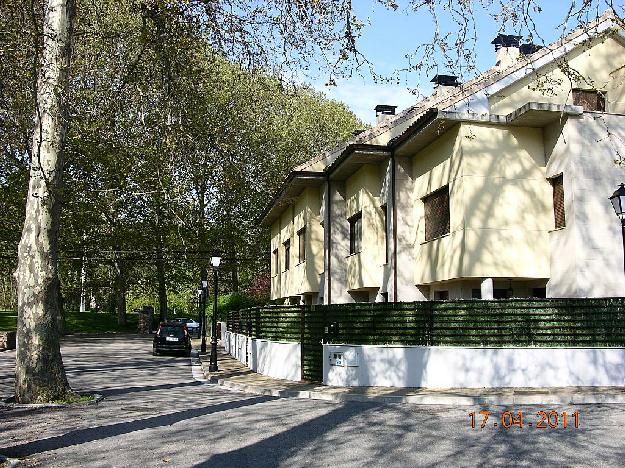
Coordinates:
[235,376]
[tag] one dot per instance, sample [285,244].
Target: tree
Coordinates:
[39,374]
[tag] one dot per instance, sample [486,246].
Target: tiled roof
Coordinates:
[465,90]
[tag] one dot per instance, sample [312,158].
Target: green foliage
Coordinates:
[227,303]
[8,320]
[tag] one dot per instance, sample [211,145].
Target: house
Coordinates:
[493,188]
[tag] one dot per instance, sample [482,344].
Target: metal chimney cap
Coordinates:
[385,109]
[445,80]
[506,40]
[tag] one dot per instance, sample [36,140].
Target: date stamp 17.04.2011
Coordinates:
[544,419]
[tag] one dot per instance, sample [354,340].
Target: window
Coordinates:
[301,239]
[539,293]
[558,201]
[385,219]
[500,293]
[287,254]
[436,207]
[476,293]
[589,99]
[355,233]
[276,265]
[441,295]
[384,296]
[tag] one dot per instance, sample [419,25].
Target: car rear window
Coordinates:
[172,331]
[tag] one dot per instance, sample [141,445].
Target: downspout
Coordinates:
[329,227]
[393,200]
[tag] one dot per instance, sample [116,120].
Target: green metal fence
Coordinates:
[514,322]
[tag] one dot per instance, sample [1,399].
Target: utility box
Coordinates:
[337,359]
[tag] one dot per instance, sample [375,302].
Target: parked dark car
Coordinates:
[172,337]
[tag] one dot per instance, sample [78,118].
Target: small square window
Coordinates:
[436,208]
[589,99]
[441,295]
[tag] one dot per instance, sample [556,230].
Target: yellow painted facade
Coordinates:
[500,204]
[500,196]
[363,195]
[597,65]
[302,277]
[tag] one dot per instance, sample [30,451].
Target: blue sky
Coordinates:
[390,35]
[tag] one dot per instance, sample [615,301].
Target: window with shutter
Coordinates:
[436,207]
[558,201]
[355,233]
[385,219]
[276,266]
[287,254]
[589,99]
[301,236]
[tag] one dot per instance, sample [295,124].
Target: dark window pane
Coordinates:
[558,202]
[441,295]
[500,293]
[436,207]
[276,268]
[355,233]
[385,219]
[540,293]
[287,254]
[301,235]
[476,293]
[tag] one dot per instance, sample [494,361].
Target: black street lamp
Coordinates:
[618,202]
[215,262]
[202,293]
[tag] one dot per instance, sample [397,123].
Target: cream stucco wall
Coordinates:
[300,278]
[362,189]
[596,65]
[500,204]
[587,254]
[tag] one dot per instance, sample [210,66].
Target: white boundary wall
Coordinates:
[462,367]
[277,359]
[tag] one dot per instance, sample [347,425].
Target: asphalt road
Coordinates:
[155,414]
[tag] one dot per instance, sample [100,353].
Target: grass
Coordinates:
[74,398]
[80,322]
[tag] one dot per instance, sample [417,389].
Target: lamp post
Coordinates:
[618,202]
[203,292]
[215,262]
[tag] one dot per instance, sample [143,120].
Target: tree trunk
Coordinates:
[39,372]
[119,288]
[162,285]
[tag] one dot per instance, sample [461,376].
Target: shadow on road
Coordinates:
[91,434]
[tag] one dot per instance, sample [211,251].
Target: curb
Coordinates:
[451,400]
[429,399]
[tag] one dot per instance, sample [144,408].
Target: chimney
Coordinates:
[444,84]
[529,49]
[506,50]
[383,111]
